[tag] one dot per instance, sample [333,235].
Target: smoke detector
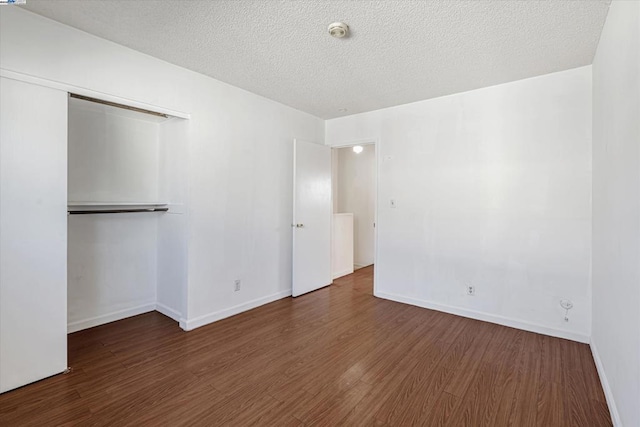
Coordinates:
[338,29]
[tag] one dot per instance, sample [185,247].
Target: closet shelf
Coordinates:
[77,207]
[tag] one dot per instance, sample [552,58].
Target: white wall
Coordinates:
[341,245]
[616,211]
[356,194]
[239,157]
[172,226]
[493,189]
[112,267]
[113,154]
[335,158]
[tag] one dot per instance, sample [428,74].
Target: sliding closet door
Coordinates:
[33,233]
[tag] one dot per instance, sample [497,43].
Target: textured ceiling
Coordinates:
[398,51]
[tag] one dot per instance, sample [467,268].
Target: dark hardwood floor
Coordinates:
[337,356]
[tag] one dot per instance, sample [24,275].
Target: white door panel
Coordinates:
[33,233]
[311,217]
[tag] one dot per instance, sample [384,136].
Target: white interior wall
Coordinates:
[113,154]
[112,267]
[493,189]
[334,179]
[356,194]
[172,226]
[616,211]
[239,158]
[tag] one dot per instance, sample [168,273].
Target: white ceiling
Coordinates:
[399,51]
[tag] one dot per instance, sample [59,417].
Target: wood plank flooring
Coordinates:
[337,356]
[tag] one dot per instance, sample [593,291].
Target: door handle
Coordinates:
[297,225]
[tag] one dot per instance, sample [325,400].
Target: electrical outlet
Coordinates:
[471,290]
[237,285]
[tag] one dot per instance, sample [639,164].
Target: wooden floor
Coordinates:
[337,356]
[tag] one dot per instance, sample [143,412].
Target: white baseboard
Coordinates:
[199,321]
[169,312]
[486,317]
[109,317]
[613,409]
[342,273]
[359,266]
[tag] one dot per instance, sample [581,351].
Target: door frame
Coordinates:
[376,144]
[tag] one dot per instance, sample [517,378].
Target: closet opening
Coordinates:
[126,223]
[354,208]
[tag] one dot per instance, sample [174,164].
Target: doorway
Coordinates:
[353,170]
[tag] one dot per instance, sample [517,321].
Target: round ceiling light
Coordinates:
[357,149]
[338,30]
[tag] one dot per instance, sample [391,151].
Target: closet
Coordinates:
[92,218]
[123,167]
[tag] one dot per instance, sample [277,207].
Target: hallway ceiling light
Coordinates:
[357,149]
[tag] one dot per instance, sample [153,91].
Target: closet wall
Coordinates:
[171,278]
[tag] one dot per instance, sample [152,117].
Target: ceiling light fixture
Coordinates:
[357,149]
[338,30]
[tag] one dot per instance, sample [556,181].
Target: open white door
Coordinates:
[311,217]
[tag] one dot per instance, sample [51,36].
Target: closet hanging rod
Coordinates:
[115,104]
[116,211]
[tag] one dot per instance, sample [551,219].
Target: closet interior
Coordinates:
[126,221]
